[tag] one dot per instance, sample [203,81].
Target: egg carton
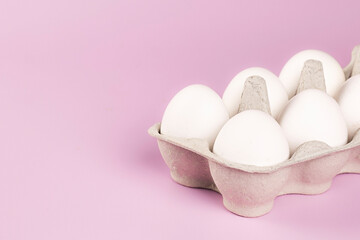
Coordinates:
[250,191]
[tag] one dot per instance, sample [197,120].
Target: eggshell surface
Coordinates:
[313,115]
[291,72]
[349,102]
[276,91]
[195,112]
[252,137]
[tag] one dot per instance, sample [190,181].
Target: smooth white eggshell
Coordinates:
[313,115]
[276,91]
[333,73]
[349,102]
[252,137]
[194,112]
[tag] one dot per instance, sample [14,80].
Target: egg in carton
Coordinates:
[249,190]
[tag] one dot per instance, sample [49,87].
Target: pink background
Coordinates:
[82,81]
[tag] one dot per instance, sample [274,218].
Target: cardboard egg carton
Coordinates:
[250,191]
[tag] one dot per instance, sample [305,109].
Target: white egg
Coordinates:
[194,112]
[349,102]
[333,73]
[313,115]
[252,137]
[276,92]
